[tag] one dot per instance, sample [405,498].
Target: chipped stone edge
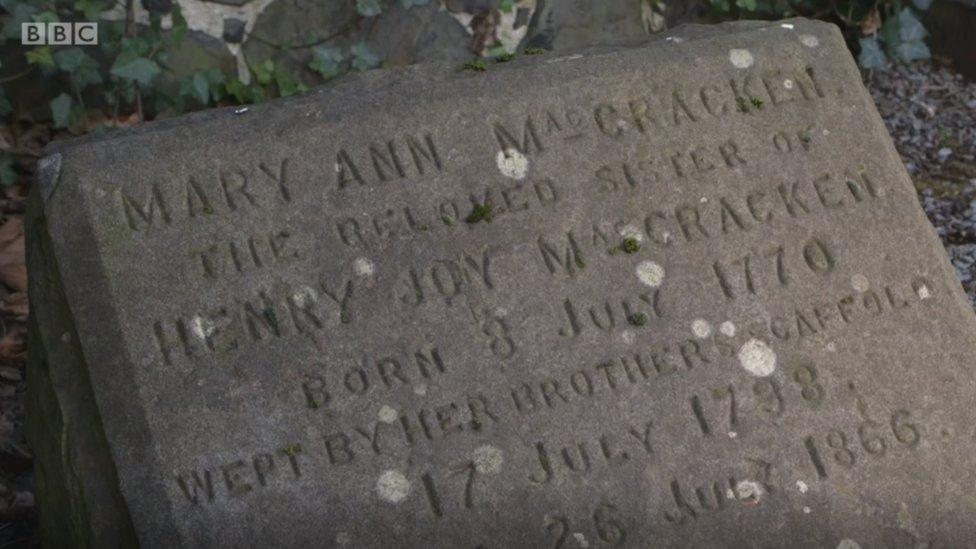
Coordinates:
[77,486]
[48,175]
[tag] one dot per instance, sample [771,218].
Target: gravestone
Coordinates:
[679,293]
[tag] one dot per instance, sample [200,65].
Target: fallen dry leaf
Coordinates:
[13,270]
[871,23]
[13,345]
[15,304]
[12,374]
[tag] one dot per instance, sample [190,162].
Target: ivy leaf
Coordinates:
[871,56]
[20,12]
[910,29]
[362,58]
[368,8]
[196,86]
[179,25]
[217,83]
[46,17]
[5,106]
[287,84]
[891,33]
[410,3]
[506,5]
[61,110]
[244,93]
[263,72]
[41,57]
[911,51]
[82,69]
[91,8]
[136,69]
[7,173]
[326,60]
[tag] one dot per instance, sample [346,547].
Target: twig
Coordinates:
[20,74]
[130,31]
[318,42]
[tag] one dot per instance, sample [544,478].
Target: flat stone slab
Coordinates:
[673,294]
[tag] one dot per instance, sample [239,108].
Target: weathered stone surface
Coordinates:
[704,308]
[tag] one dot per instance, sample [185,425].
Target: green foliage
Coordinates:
[631,245]
[534,51]
[363,58]
[141,70]
[326,61]
[81,68]
[476,65]
[368,8]
[130,70]
[7,173]
[871,56]
[505,57]
[41,56]
[637,319]
[61,110]
[506,5]
[884,29]
[480,212]
[5,107]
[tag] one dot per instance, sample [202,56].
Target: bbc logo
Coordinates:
[59,34]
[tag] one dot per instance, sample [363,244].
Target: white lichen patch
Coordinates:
[343,538]
[631,231]
[741,59]
[788,84]
[363,267]
[488,459]
[304,296]
[387,414]
[201,327]
[628,337]
[749,490]
[420,389]
[727,328]
[802,486]
[787,26]
[806,510]
[757,358]
[860,283]
[701,328]
[650,273]
[581,539]
[392,486]
[675,39]
[923,292]
[512,164]
[733,434]
[848,543]
[573,57]
[809,40]
[831,347]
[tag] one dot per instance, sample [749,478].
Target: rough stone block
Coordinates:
[673,294]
